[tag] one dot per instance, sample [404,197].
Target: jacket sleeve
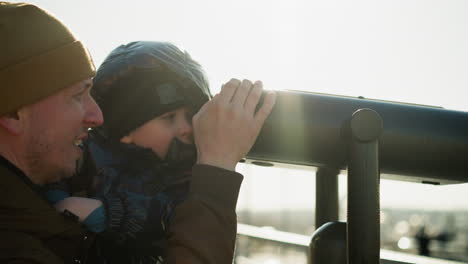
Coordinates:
[204,226]
[21,248]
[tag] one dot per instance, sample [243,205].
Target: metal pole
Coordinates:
[326,196]
[363,225]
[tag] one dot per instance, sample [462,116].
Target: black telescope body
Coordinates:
[419,143]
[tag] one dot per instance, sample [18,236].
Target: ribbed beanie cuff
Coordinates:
[40,76]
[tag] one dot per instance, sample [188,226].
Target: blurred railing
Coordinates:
[258,245]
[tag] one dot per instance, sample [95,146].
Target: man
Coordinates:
[45,112]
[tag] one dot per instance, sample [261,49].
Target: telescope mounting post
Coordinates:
[363,219]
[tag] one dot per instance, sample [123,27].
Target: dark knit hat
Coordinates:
[39,56]
[142,80]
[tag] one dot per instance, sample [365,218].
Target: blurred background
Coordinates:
[413,51]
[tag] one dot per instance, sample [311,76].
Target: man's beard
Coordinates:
[41,169]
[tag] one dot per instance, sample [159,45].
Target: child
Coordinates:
[143,154]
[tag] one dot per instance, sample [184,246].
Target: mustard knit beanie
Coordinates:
[38,56]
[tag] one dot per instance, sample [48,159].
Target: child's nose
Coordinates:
[185,131]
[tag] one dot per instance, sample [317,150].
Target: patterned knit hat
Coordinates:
[39,56]
[142,80]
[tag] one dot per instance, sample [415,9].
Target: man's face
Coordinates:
[158,133]
[54,129]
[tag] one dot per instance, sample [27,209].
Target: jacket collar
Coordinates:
[121,155]
[16,171]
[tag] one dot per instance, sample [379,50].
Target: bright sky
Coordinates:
[402,50]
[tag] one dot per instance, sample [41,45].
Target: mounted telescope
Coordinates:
[418,143]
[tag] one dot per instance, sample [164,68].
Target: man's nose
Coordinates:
[93,114]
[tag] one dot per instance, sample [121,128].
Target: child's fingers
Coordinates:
[266,108]
[241,94]
[228,91]
[254,97]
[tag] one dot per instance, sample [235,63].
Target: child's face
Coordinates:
[158,133]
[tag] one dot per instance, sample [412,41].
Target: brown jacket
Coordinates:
[31,231]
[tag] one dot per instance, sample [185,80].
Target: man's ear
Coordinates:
[12,123]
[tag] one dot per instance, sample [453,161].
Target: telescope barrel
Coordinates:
[418,143]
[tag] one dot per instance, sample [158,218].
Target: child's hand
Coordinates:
[226,127]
